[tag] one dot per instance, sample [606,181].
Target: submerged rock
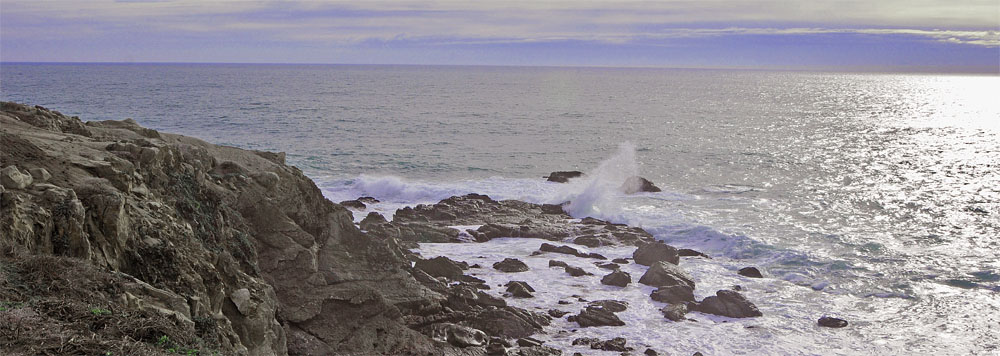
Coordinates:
[576,271]
[751,272]
[616,344]
[563,176]
[686,252]
[679,293]
[832,322]
[614,306]
[557,263]
[727,303]
[511,265]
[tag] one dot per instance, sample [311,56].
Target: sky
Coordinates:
[869,35]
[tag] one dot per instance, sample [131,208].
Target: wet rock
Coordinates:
[666,274]
[576,271]
[563,302]
[608,265]
[556,313]
[617,278]
[620,261]
[636,184]
[507,322]
[650,352]
[368,200]
[585,341]
[613,306]
[458,335]
[557,263]
[832,322]
[563,176]
[751,272]
[616,344]
[596,317]
[496,349]
[440,267]
[686,252]
[519,289]
[528,342]
[679,293]
[510,265]
[354,204]
[653,252]
[675,312]
[594,240]
[727,303]
[545,247]
[13,178]
[537,351]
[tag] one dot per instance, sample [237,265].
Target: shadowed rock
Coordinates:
[440,267]
[832,322]
[519,289]
[563,176]
[679,293]
[596,317]
[510,265]
[617,278]
[751,272]
[647,254]
[686,252]
[666,274]
[727,303]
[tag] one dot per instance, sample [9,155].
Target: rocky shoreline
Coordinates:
[119,239]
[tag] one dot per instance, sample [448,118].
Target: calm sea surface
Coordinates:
[875,197]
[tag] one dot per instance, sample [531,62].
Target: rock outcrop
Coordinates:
[207,248]
[727,303]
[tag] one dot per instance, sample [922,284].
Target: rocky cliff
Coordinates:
[118,239]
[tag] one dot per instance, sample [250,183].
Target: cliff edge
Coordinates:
[118,239]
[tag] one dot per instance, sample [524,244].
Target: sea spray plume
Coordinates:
[596,194]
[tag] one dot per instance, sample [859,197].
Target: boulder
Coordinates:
[617,278]
[440,266]
[546,247]
[585,341]
[620,261]
[354,204]
[666,274]
[675,312]
[557,263]
[653,252]
[510,265]
[563,176]
[679,293]
[650,352]
[596,317]
[13,178]
[556,313]
[519,289]
[40,175]
[832,322]
[576,271]
[609,266]
[636,184]
[751,272]
[614,306]
[727,303]
[616,344]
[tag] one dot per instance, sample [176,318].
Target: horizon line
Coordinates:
[869,70]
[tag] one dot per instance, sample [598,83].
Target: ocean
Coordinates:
[874,197]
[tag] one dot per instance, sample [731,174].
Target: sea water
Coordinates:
[871,197]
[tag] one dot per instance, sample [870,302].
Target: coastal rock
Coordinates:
[666,274]
[617,278]
[13,178]
[440,267]
[636,184]
[563,176]
[675,312]
[679,293]
[507,322]
[650,253]
[832,322]
[751,272]
[461,336]
[528,342]
[510,265]
[545,247]
[608,266]
[557,263]
[556,313]
[576,271]
[519,289]
[592,316]
[585,341]
[621,261]
[686,252]
[616,344]
[354,204]
[614,306]
[727,303]
[40,175]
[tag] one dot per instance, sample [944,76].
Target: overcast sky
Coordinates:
[947,35]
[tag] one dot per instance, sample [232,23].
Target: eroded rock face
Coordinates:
[232,244]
